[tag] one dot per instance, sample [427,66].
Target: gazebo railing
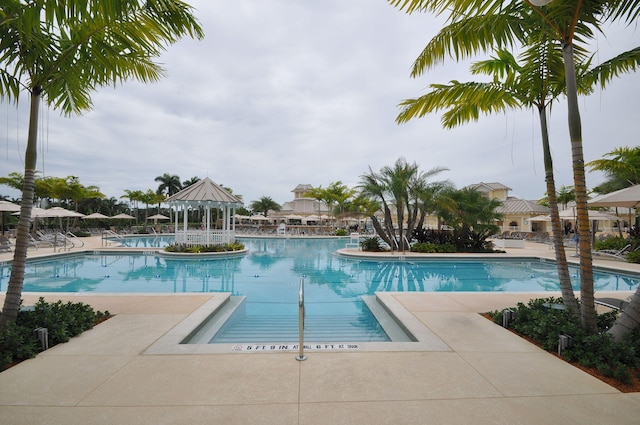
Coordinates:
[202,237]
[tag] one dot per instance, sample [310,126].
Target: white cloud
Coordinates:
[281,93]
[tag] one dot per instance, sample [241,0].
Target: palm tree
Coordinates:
[535,84]
[402,188]
[169,184]
[621,167]
[480,25]
[134,196]
[469,208]
[191,181]
[264,205]
[336,193]
[59,52]
[565,195]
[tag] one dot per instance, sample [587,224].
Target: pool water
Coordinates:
[270,273]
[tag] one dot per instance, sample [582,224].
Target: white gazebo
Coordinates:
[209,195]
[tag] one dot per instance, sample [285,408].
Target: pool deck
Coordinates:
[486,374]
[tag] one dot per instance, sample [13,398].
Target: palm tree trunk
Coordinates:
[629,319]
[568,296]
[587,299]
[13,297]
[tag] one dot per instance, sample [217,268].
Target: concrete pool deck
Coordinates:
[488,375]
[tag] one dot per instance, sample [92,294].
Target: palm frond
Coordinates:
[463,101]
[467,37]
[602,74]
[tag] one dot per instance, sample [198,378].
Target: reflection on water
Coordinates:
[272,269]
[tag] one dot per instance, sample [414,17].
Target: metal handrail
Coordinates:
[301,357]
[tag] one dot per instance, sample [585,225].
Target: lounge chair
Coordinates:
[37,243]
[617,253]
[5,244]
[612,303]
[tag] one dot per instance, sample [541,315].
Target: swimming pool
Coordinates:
[269,275]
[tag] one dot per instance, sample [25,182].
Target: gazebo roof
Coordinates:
[205,192]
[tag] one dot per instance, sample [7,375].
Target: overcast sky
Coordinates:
[284,92]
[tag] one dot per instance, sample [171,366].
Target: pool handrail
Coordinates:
[301,357]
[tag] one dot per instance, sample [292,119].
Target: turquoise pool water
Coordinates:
[269,276]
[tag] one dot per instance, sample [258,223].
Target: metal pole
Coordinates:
[301,357]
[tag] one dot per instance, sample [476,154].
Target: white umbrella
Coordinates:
[54,212]
[593,215]
[7,206]
[96,216]
[123,216]
[540,218]
[157,217]
[628,198]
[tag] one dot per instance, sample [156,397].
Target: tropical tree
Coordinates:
[534,83]
[402,188]
[481,25]
[59,52]
[15,180]
[337,193]
[565,195]
[469,208]
[169,184]
[191,181]
[134,196]
[264,205]
[150,198]
[621,167]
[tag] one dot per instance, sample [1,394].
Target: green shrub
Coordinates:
[372,244]
[615,242]
[196,249]
[633,257]
[62,320]
[341,232]
[425,247]
[544,324]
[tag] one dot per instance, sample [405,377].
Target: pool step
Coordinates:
[262,329]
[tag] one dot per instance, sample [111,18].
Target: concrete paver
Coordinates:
[488,376]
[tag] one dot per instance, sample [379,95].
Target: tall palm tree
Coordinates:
[264,205]
[59,52]
[469,208]
[535,83]
[169,184]
[481,25]
[134,196]
[621,167]
[401,187]
[191,181]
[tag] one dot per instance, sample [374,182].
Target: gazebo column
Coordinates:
[185,220]
[175,222]
[208,223]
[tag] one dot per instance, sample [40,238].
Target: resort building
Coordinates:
[302,205]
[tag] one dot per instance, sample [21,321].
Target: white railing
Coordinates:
[202,237]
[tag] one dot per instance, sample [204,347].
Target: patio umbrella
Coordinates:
[96,216]
[540,218]
[7,206]
[58,212]
[123,216]
[628,197]
[593,215]
[157,217]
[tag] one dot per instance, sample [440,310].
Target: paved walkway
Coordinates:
[486,375]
